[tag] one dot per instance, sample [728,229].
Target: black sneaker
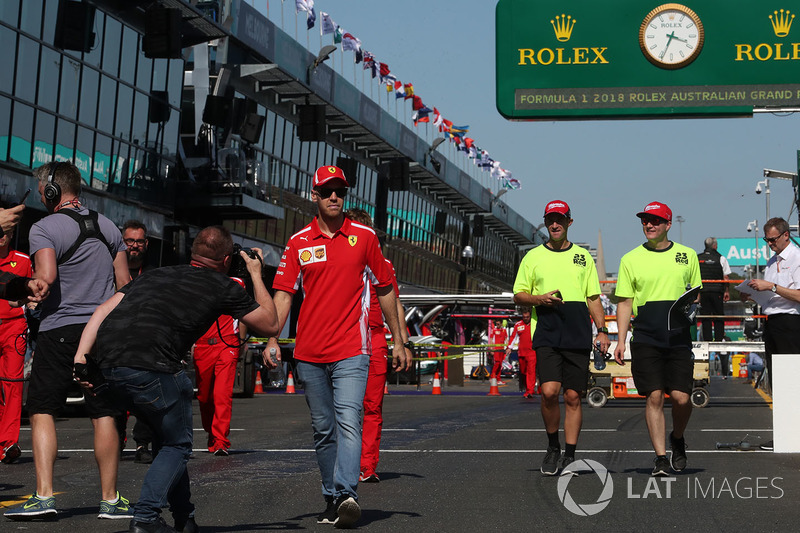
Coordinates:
[550,462]
[768,446]
[678,458]
[159,526]
[565,469]
[348,512]
[143,455]
[328,516]
[186,525]
[661,467]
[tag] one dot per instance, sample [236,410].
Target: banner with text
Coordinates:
[742,252]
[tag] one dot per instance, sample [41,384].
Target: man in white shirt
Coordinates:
[782,277]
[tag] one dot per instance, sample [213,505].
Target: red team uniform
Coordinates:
[12,354]
[498,336]
[376,382]
[527,355]
[215,370]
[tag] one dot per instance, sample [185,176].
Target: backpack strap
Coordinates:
[89,226]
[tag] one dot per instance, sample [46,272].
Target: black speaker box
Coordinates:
[440,222]
[398,175]
[162,33]
[217,111]
[312,123]
[350,169]
[74,24]
[159,109]
[251,128]
[477,226]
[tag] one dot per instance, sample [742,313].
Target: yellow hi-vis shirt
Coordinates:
[655,279]
[572,272]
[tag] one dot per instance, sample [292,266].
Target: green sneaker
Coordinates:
[35,507]
[116,511]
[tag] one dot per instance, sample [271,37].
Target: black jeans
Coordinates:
[711,304]
[781,335]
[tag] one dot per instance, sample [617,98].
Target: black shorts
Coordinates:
[51,375]
[666,369]
[568,367]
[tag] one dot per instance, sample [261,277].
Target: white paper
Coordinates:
[762,298]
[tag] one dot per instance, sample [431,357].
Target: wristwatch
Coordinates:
[602,330]
[409,345]
[774,288]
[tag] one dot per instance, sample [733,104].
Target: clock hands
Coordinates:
[670,36]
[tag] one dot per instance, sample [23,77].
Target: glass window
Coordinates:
[43,138]
[111,46]
[21,134]
[175,84]
[94,56]
[8,44]
[70,79]
[90,88]
[5,111]
[124,112]
[144,72]
[9,11]
[102,159]
[84,149]
[48,74]
[159,74]
[140,114]
[50,16]
[65,140]
[27,61]
[31,19]
[127,69]
[170,135]
[105,106]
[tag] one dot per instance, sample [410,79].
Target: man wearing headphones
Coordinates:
[80,254]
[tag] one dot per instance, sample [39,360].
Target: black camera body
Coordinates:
[239,267]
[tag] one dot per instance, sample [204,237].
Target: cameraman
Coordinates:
[151,364]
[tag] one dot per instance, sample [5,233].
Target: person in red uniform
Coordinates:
[372,426]
[498,336]
[335,259]
[12,353]
[215,356]
[527,355]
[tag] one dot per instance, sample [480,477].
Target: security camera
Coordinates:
[758,189]
[749,229]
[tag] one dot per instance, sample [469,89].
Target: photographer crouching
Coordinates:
[175,306]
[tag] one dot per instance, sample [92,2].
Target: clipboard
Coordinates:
[683,312]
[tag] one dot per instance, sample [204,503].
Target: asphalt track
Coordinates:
[459,462]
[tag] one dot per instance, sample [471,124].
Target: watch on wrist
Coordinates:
[774,288]
[409,345]
[602,330]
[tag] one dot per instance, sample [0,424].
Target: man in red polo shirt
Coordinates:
[12,353]
[527,355]
[335,260]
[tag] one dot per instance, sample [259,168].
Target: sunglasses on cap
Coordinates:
[325,192]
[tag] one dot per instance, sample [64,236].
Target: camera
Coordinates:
[239,267]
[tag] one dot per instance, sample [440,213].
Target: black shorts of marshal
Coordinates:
[568,367]
[662,368]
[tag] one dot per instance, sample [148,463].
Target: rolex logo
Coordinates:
[563,25]
[781,22]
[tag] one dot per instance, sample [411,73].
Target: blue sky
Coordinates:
[606,170]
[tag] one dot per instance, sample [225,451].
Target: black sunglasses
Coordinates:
[771,240]
[341,192]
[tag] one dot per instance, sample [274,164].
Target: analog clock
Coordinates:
[671,36]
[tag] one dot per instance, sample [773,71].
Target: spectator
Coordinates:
[140,369]
[560,281]
[521,334]
[713,267]
[12,352]
[755,364]
[333,257]
[651,278]
[80,255]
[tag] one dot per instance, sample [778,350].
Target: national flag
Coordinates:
[416,103]
[369,60]
[349,42]
[384,72]
[374,69]
[459,129]
[468,142]
[337,35]
[421,115]
[496,171]
[304,5]
[389,81]
[359,56]
[446,125]
[409,90]
[437,118]
[473,152]
[312,18]
[327,25]
[399,91]
[513,183]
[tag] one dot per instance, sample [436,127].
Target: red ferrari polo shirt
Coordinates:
[19,264]
[523,331]
[375,312]
[335,273]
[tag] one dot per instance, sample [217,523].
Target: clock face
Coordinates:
[671,36]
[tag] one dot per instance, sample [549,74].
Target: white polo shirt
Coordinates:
[783,269]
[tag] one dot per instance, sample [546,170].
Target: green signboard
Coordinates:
[574,59]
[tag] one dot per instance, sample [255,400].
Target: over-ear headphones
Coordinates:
[52,190]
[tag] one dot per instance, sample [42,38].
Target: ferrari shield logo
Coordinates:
[352,239]
[13,264]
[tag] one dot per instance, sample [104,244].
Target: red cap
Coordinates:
[657,209]
[557,206]
[325,174]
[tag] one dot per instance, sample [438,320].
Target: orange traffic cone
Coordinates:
[437,385]
[290,384]
[493,390]
[386,388]
[259,389]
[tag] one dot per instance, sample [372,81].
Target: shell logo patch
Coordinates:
[352,239]
[316,254]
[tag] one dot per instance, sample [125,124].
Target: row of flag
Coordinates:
[422,113]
